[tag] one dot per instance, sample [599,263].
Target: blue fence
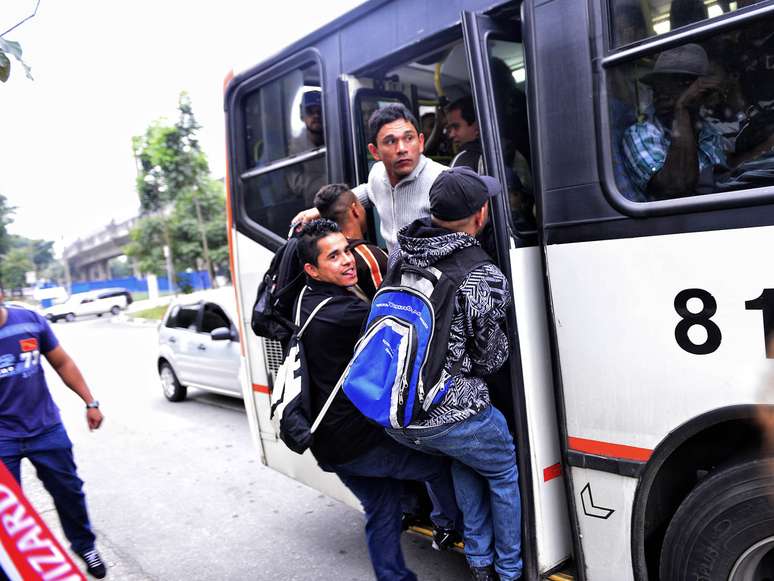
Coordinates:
[185,281]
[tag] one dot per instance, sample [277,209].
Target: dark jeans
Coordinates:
[376,479]
[52,455]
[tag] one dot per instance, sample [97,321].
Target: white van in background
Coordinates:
[97,302]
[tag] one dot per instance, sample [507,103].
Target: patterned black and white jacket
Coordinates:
[477,334]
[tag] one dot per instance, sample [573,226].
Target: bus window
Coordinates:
[506,61]
[697,118]
[634,20]
[284,148]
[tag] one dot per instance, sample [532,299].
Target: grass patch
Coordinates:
[154,313]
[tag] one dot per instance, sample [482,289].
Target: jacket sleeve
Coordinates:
[484,298]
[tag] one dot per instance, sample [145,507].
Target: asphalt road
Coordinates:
[176,491]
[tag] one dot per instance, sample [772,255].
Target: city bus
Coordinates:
[642,298]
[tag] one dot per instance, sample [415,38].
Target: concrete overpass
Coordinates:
[87,258]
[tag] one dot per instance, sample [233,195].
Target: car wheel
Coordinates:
[173,391]
[115,309]
[724,529]
[70,317]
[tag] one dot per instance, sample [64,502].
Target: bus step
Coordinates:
[428,532]
[564,575]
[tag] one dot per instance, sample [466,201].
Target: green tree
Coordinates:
[170,164]
[8,47]
[6,217]
[16,264]
[148,238]
[41,252]
[188,223]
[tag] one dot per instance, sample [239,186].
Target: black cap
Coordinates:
[459,193]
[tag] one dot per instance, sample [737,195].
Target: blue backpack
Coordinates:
[397,373]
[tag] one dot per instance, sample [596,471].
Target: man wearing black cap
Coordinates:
[464,425]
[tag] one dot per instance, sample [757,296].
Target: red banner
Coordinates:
[28,550]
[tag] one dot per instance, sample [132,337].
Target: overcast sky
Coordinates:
[103,72]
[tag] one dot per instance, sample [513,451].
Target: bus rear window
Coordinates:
[284,156]
[697,118]
[284,118]
[634,20]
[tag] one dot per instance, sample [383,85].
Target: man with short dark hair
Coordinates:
[338,203]
[31,427]
[462,127]
[399,184]
[464,425]
[369,463]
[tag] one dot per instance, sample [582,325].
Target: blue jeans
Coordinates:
[52,455]
[486,484]
[375,478]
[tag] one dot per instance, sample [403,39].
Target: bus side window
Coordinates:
[634,20]
[284,148]
[717,90]
[506,62]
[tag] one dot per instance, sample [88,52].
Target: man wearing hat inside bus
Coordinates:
[674,152]
[306,178]
[464,425]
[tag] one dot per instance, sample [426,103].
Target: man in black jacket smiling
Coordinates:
[369,463]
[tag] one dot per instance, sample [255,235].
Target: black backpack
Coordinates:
[273,308]
[281,285]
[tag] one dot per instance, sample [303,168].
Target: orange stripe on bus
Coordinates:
[230,233]
[372,264]
[609,449]
[261,388]
[554,471]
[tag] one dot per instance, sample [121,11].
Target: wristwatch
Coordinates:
[93,405]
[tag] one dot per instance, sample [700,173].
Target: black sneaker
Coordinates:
[95,566]
[445,539]
[484,573]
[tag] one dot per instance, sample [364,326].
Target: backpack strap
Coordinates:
[328,402]
[311,315]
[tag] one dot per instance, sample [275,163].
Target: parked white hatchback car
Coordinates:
[96,302]
[199,345]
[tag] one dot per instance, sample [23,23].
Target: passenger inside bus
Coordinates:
[304,182]
[704,112]
[665,154]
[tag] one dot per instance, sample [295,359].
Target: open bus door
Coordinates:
[492,44]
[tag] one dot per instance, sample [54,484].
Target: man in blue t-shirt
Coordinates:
[30,425]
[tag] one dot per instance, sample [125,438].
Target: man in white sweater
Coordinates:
[399,184]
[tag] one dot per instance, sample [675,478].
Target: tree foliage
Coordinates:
[8,47]
[185,227]
[40,252]
[169,160]
[175,189]
[16,263]
[6,217]
[147,244]
[147,236]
